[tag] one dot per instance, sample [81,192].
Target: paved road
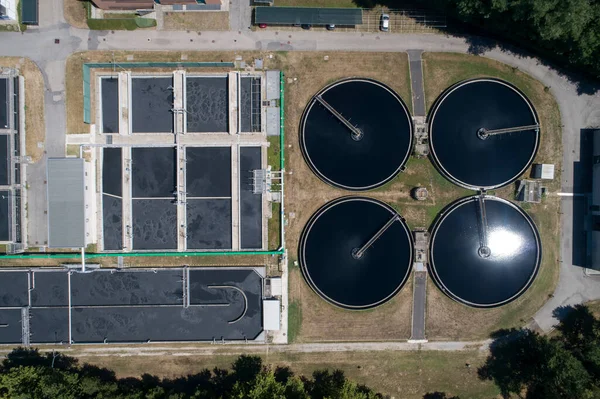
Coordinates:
[240,15]
[577,110]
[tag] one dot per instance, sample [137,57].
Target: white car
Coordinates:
[385,23]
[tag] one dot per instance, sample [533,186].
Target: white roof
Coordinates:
[547,171]
[271,314]
[276,287]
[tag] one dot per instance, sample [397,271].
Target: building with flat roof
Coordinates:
[66,213]
[307,15]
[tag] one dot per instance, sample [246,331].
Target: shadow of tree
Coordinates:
[438,395]
[500,364]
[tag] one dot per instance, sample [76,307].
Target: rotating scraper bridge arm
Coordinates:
[357,253]
[484,249]
[484,133]
[356,132]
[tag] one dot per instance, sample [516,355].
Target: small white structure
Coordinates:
[543,171]
[272,314]
[276,287]
[8,9]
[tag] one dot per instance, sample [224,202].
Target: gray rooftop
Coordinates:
[273,85]
[66,213]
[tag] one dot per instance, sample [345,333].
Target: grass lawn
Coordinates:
[594,307]
[406,375]
[75,13]
[9,27]
[35,128]
[447,319]
[116,24]
[197,21]
[294,321]
[273,154]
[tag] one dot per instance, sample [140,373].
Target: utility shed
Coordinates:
[542,171]
[66,213]
[271,314]
[308,15]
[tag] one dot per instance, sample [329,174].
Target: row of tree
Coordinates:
[26,373]
[565,365]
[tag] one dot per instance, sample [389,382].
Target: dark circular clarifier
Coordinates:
[369,155]
[484,268]
[328,253]
[459,146]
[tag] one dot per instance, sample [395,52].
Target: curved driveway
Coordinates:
[578,111]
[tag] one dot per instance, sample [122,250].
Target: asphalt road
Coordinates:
[577,110]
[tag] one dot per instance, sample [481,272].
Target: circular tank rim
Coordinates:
[302,244]
[431,118]
[312,102]
[434,229]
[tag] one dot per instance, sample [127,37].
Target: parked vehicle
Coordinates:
[385,23]
[330,26]
[262,26]
[306,26]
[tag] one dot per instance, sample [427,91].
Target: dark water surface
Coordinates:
[4,97]
[357,165]
[326,253]
[462,155]
[110,105]
[469,278]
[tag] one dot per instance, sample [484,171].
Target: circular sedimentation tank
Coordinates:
[483,133]
[356,134]
[484,251]
[339,264]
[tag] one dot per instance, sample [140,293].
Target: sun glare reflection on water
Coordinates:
[504,243]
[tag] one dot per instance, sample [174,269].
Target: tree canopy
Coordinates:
[27,373]
[563,366]
[565,30]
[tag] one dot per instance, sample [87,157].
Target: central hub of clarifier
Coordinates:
[484,251]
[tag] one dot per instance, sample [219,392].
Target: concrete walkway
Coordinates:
[235,349]
[419,306]
[416,82]
[577,110]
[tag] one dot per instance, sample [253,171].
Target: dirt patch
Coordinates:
[196,21]
[324,322]
[35,128]
[75,13]
[447,319]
